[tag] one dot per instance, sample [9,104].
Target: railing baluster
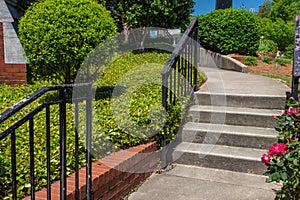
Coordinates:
[13,164]
[171,84]
[31,141]
[76,153]
[89,143]
[178,74]
[185,70]
[175,86]
[63,139]
[182,75]
[48,143]
[196,56]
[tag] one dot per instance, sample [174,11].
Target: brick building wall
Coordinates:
[10,73]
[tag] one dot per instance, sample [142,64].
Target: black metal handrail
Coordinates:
[179,76]
[62,101]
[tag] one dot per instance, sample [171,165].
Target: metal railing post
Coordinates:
[89,143]
[63,143]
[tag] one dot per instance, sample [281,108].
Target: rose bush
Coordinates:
[282,159]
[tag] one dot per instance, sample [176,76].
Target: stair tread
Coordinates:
[222,93]
[234,110]
[231,129]
[221,150]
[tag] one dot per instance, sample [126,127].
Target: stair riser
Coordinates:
[240,101]
[232,164]
[238,119]
[227,139]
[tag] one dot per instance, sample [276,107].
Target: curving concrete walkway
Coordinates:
[233,94]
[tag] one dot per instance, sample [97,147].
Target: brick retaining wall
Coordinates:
[113,177]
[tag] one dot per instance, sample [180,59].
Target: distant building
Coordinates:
[222,4]
[252,10]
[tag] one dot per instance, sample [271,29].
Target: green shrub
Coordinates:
[107,133]
[229,31]
[250,60]
[57,35]
[266,59]
[267,46]
[289,51]
[278,31]
[282,61]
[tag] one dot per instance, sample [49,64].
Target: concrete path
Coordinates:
[197,183]
[231,82]
[188,182]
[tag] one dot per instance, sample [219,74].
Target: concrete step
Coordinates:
[240,100]
[234,115]
[222,134]
[246,160]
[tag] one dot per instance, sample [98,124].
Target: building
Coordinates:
[13,68]
[222,4]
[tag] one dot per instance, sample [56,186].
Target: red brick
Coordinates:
[107,182]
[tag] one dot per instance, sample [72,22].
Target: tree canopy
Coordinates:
[154,13]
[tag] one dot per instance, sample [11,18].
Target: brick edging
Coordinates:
[113,176]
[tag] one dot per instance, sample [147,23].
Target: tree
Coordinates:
[284,9]
[280,32]
[57,35]
[229,31]
[265,10]
[151,13]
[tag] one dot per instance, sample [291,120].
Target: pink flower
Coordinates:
[277,149]
[292,111]
[265,158]
[283,112]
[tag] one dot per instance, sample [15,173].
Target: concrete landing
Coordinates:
[197,183]
[239,84]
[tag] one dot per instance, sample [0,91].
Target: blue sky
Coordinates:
[205,6]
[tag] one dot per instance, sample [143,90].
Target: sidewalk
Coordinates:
[196,183]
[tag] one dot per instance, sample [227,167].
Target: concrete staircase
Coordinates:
[231,122]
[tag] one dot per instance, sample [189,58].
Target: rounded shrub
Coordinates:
[267,46]
[229,31]
[250,60]
[266,59]
[282,61]
[57,35]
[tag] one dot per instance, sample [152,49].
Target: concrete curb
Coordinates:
[211,59]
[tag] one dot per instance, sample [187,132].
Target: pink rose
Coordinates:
[265,158]
[277,149]
[292,111]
